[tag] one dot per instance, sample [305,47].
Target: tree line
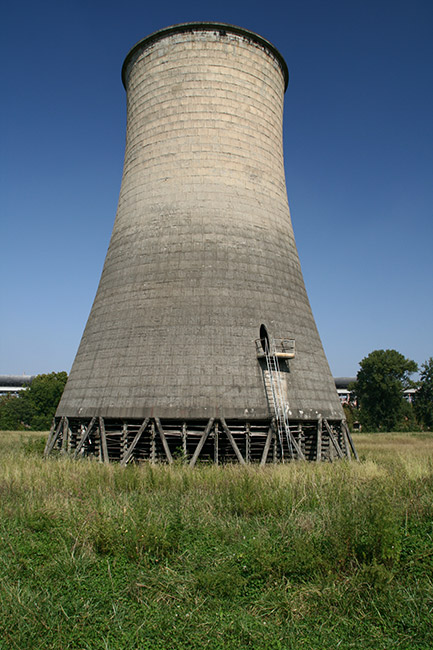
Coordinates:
[34,407]
[377,397]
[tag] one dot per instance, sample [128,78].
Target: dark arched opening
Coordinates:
[264,338]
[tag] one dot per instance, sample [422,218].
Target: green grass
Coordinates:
[301,556]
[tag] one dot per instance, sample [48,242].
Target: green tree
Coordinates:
[34,407]
[379,386]
[11,413]
[423,398]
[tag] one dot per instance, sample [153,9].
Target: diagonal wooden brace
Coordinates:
[333,439]
[134,443]
[349,438]
[295,445]
[164,440]
[52,438]
[103,435]
[201,442]
[233,442]
[84,436]
[269,438]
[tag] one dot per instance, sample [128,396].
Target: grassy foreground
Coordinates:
[299,556]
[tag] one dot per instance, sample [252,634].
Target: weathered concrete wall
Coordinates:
[202,251]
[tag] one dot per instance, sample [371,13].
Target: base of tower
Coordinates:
[191,441]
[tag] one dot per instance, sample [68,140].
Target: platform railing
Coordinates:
[283,348]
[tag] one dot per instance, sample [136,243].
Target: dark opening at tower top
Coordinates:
[221,29]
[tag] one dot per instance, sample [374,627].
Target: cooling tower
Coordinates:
[201,342]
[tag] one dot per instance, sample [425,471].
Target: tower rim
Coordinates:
[206,26]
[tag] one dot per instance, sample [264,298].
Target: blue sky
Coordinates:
[358,142]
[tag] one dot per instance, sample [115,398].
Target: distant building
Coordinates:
[342,383]
[13,384]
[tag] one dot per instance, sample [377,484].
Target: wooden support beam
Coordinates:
[124,441]
[275,443]
[52,437]
[65,436]
[248,442]
[132,446]
[216,444]
[301,439]
[349,437]
[84,436]
[164,440]
[184,438]
[295,445]
[267,446]
[232,442]
[333,439]
[152,444]
[319,441]
[345,441]
[103,436]
[201,442]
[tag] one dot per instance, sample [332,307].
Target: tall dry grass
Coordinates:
[301,555]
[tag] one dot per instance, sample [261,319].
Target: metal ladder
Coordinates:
[280,405]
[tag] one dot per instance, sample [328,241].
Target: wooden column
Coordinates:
[152,444]
[164,440]
[124,440]
[319,441]
[248,442]
[184,437]
[216,444]
[104,448]
[65,437]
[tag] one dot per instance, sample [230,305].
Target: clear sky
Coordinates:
[358,142]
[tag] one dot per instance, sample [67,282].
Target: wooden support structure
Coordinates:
[349,438]
[124,441]
[184,440]
[132,446]
[295,445]
[65,435]
[103,437]
[275,443]
[319,440]
[52,437]
[152,443]
[346,443]
[232,442]
[333,439]
[163,440]
[247,443]
[269,438]
[201,442]
[156,440]
[216,444]
[84,436]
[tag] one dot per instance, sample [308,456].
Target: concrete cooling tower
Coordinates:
[201,343]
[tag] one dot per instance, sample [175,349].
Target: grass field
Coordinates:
[301,556]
